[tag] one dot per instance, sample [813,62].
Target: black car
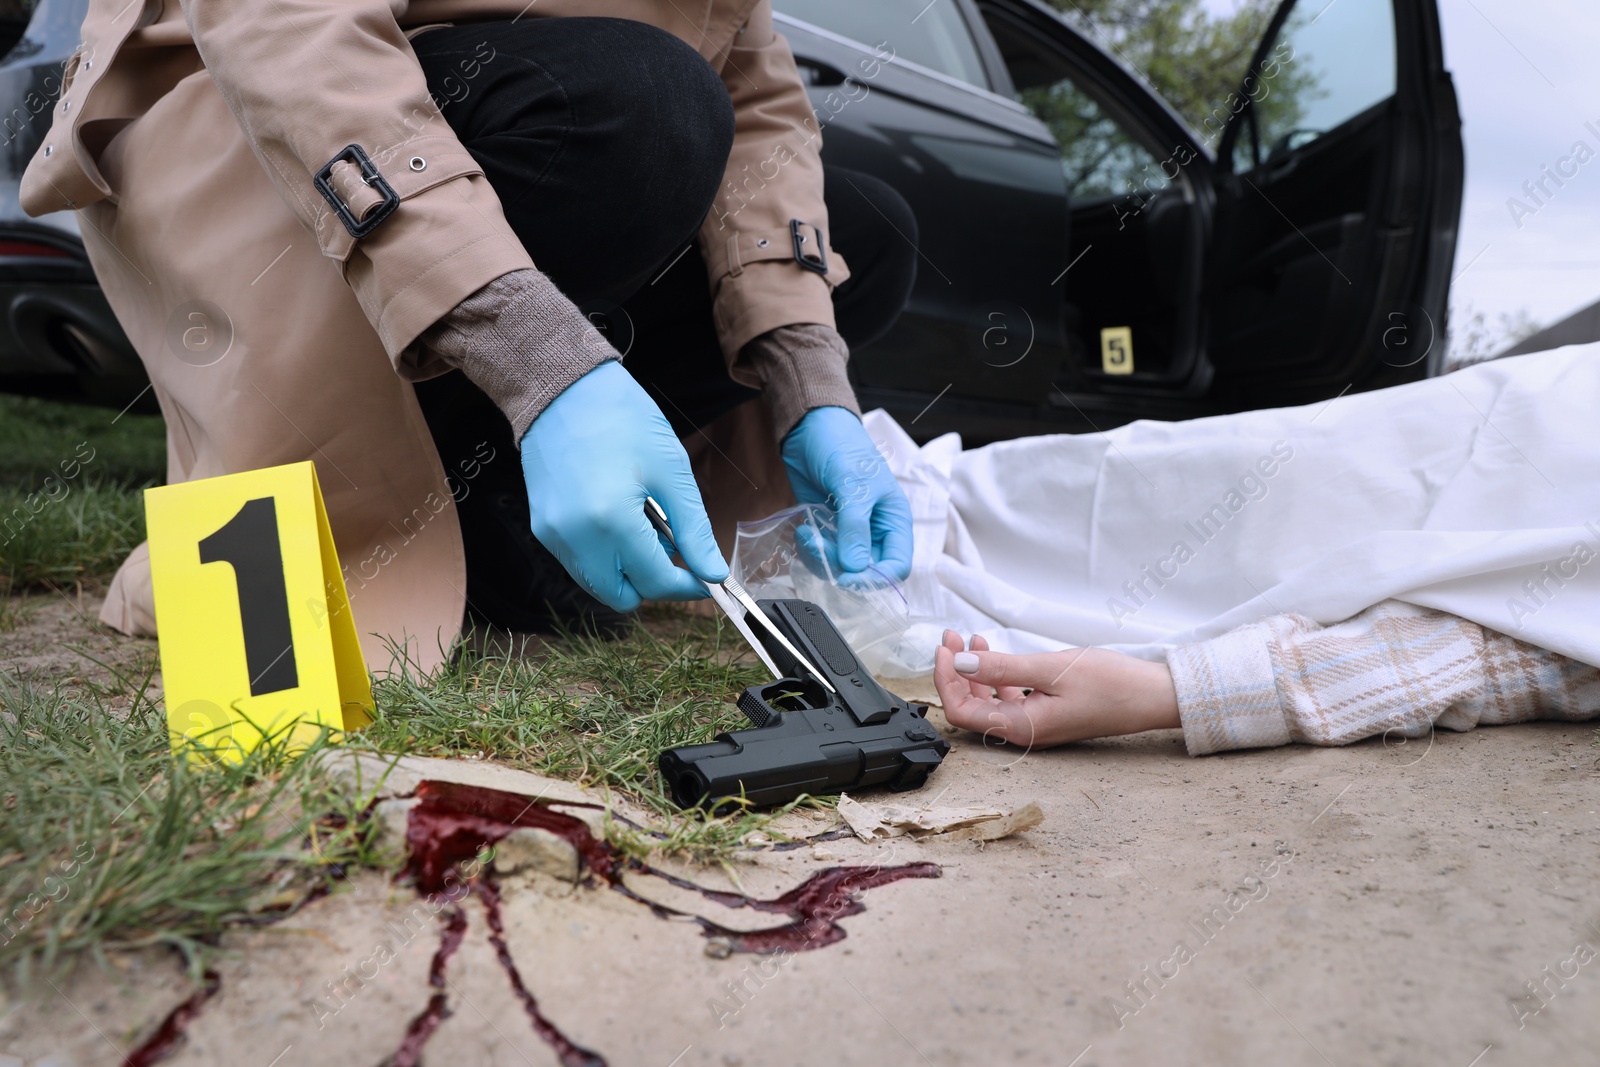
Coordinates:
[58,336]
[1085,256]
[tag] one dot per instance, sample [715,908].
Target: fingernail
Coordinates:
[948,634]
[967,662]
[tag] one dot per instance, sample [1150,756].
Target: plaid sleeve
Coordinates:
[1394,668]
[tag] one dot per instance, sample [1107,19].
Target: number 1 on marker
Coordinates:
[255,628]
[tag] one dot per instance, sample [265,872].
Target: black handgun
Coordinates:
[806,738]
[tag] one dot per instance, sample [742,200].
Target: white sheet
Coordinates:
[1476,493]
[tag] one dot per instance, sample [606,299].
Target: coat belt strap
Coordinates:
[798,241]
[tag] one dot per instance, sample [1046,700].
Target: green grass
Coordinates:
[80,537]
[36,436]
[108,842]
[590,711]
[14,613]
[70,481]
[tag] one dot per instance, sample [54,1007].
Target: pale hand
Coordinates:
[1076,694]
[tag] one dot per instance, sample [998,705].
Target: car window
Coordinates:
[1337,60]
[1100,158]
[932,34]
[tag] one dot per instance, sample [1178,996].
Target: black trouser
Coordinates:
[606,141]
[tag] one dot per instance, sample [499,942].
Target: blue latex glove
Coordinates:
[832,460]
[590,458]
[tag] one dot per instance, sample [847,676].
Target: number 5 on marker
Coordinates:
[1116,350]
[255,629]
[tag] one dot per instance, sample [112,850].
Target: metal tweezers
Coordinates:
[739,606]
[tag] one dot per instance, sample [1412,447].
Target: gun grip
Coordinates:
[820,634]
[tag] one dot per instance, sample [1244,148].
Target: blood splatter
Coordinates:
[438,1009]
[815,905]
[450,828]
[452,825]
[170,1034]
[572,1054]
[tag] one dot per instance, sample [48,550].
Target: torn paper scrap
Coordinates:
[875,822]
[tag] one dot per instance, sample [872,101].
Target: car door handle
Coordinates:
[818,73]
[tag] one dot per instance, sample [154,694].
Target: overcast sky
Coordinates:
[1527,78]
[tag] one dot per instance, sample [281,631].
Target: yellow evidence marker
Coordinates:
[1116,350]
[254,625]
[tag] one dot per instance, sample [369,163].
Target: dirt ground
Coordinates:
[1377,904]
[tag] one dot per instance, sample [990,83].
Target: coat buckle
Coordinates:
[816,261]
[358,227]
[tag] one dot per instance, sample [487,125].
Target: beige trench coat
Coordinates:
[186,138]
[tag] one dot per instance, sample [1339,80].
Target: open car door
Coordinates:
[1290,245]
[1338,193]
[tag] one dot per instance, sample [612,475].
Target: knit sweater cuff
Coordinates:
[799,367]
[521,341]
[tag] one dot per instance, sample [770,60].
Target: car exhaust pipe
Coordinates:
[70,330]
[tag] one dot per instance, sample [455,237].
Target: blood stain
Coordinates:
[571,1054]
[438,1009]
[170,1034]
[453,824]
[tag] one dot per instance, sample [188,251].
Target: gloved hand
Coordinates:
[589,459]
[832,460]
